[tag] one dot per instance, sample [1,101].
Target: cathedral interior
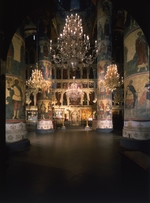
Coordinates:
[116,34]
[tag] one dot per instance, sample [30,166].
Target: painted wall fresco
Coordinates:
[15,79]
[15,98]
[46,67]
[137,97]
[135,53]
[105,109]
[136,73]
[15,64]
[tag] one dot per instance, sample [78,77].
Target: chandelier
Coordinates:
[35,83]
[74,92]
[112,77]
[36,80]
[73,47]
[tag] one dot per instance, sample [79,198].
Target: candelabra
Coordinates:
[34,84]
[73,47]
[112,78]
[35,80]
[74,92]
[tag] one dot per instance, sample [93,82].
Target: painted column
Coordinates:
[15,92]
[2,108]
[136,83]
[45,121]
[104,38]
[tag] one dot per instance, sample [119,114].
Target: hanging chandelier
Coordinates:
[74,92]
[112,77]
[36,80]
[73,47]
[35,84]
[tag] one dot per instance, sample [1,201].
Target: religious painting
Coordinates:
[45,109]
[137,98]
[45,91]
[86,114]
[46,69]
[136,53]
[75,117]
[15,98]
[42,108]
[104,109]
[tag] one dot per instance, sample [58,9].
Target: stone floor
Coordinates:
[74,166]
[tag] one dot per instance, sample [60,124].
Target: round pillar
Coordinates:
[45,120]
[16,132]
[104,38]
[136,130]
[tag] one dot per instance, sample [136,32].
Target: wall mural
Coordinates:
[104,109]
[137,97]
[135,53]
[136,74]
[46,69]
[15,98]
[15,58]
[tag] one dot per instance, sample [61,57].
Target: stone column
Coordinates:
[45,120]
[3,152]
[16,133]
[104,38]
[136,130]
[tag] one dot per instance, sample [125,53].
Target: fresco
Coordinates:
[15,98]
[137,97]
[136,74]
[104,109]
[46,68]
[44,50]
[15,64]
[135,53]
